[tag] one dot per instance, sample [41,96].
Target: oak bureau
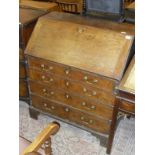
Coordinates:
[73,66]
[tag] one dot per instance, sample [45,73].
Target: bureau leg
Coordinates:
[103,140]
[33,113]
[113,127]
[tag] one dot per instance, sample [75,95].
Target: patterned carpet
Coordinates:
[74,141]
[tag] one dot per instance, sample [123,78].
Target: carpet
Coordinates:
[71,140]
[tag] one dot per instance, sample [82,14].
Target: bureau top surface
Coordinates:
[94,49]
[44,6]
[128,82]
[27,16]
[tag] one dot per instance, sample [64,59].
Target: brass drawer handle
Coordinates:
[91,121]
[93,107]
[87,122]
[52,93]
[51,80]
[94,93]
[84,89]
[83,103]
[42,66]
[44,90]
[67,71]
[82,118]
[67,96]
[51,68]
[67,109]
[95,80]
[85,78]
[45,104]
[67,83]
[42,77]
[52,107]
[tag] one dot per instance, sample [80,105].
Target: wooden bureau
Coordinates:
[73,67]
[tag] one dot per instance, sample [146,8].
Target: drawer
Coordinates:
[22,71]
[99,109]
[71,86]
[90,121]
[49,107]
[72,73]
[71,114]
[23,90]
[21,54]
[127,106]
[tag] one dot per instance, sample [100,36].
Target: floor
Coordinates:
[71,140]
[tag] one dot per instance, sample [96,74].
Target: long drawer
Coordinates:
[71,114]
[99,109]
[127,106]
[72,73]
[71,86]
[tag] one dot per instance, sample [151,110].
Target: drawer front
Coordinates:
[70,86]
[127,106]
[70,114]
[23,90]
[22,71]
[127,95]
[50,107]
[21,54]
[72,73]
[90,121]
[72,100]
